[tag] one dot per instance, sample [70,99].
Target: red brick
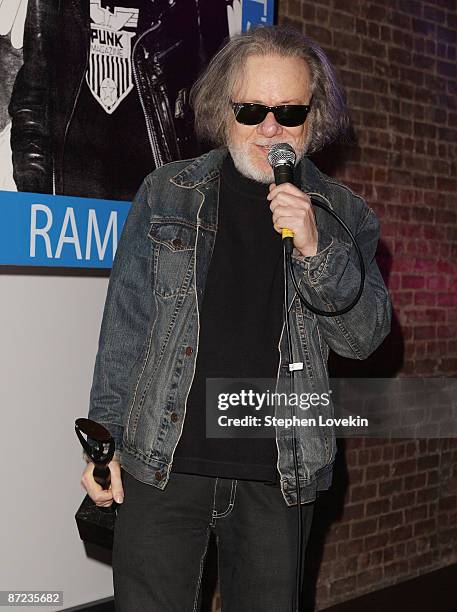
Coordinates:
[433,477]
[423,298]
[391,486]
[391,520]
[350,78]
[388,554]
[376,557]
[446,299]
[350,42]
[329,553]
[361,27]
[374,542]
[401,468]
[364,492]
[322,15]
[415,482]
[423,27]
[363,62]
[402,532]
[378,507]
[421,561]
[410,7]
[446,216]
[321,35]
[436,283]
[294,8]
[346,566]
[448,503]
[424,62]
[399,56]
[415,514]
[370,578]
[428,462]
[339,531]
[426,367]
[424,215]
[342,586]
[410,281]
[375,472]
[351,547]
[396,569]
[427,495]
[374,12]
[424,332]
[400,20]
[446,331]
[364,528]
[424,527]
[340,21]
[447,267]
[353,511]
[388,453]
[447,69]
[432,13]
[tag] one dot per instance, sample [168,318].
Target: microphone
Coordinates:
[282,157]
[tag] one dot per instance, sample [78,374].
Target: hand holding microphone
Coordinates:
[293,215]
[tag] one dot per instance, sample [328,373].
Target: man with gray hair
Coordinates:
[196,292]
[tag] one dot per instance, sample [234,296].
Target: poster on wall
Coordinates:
[93,97]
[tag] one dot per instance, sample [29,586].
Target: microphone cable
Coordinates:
[298,574]
[282,160]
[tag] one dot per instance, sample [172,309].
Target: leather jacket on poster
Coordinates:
[167,56]
[150,330]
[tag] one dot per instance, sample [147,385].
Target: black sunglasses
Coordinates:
[288,115]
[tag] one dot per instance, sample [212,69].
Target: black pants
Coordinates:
[161,538]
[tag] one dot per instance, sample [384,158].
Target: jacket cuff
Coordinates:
[331,252]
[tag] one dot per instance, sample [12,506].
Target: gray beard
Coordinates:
[244,165]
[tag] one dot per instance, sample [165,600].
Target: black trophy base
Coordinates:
[95,524]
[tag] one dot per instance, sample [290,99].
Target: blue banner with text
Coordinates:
[48,230]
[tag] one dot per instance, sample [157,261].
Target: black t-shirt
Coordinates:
[107,152]
[240,326]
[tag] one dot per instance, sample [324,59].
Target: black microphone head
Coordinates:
[280,154]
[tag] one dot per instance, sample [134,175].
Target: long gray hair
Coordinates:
[211,94]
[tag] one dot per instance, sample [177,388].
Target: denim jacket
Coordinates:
[149,335]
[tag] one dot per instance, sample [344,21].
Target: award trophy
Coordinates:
[95,523]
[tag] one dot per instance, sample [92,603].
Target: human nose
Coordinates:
[269,126]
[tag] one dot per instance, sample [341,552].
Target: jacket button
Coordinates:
[189,350]
[177,242]
[158,476]
[174,417]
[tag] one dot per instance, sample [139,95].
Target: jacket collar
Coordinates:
[206,168]
[201,170]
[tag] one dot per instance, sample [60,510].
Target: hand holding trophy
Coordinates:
[102,481]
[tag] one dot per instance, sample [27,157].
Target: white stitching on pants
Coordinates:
[202,562]
[213,511]
[231,502]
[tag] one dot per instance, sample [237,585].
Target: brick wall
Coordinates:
[392,513]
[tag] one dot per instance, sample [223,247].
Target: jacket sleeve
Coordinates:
[125,322]
[332,277]
[31,101]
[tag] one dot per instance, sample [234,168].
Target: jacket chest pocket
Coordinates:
[173,257]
